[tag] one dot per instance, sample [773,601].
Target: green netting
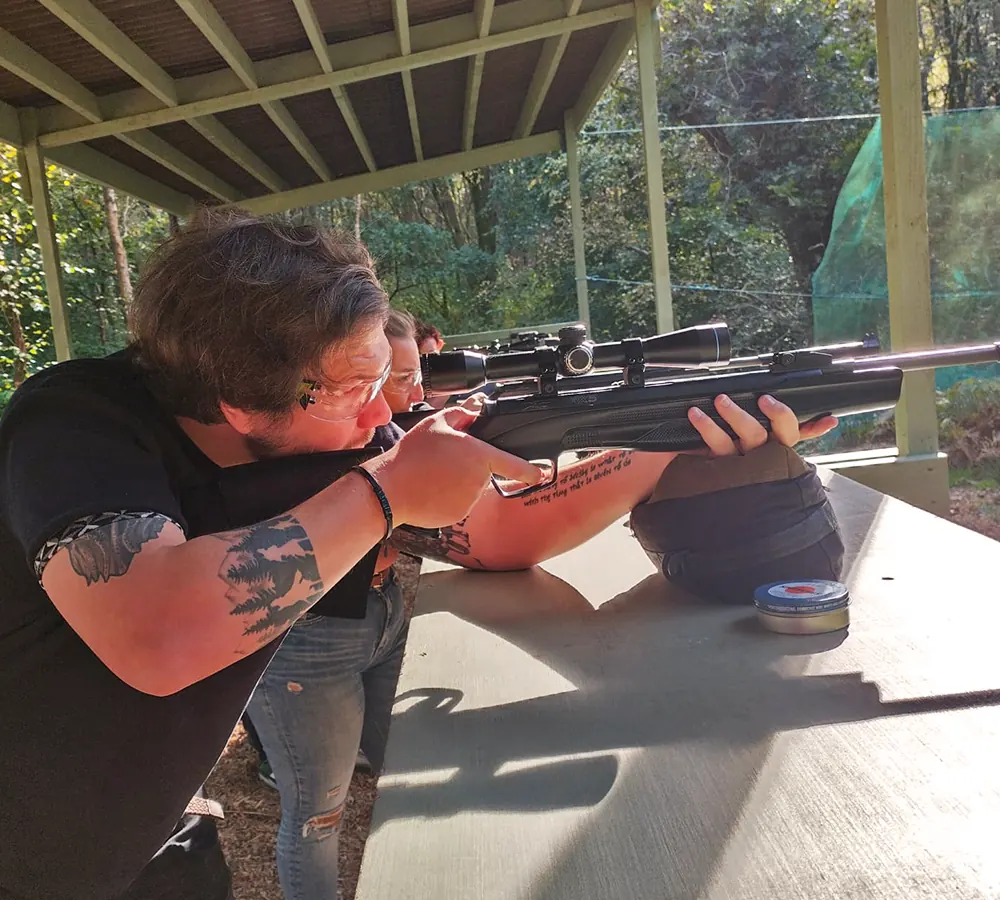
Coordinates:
[850,293]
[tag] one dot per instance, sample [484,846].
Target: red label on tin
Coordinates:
[800,589]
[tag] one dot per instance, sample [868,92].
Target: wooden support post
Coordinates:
[905,191]
[46,234]
[576,215]
[647,50]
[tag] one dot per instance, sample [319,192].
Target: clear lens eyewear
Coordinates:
[404,381]
[335,404]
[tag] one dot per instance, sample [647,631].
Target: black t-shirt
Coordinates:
[94,774]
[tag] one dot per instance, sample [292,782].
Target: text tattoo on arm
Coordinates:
[587,472]
[263,566]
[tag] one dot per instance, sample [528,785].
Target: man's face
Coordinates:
[340,418]
[403,388]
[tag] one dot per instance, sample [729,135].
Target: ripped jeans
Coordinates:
[329,689]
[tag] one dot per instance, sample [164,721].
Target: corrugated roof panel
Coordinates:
[440,97]
[265,29]
[380,105]
[320,118]
[141,163]
[506,77]
[582,50]
[165,34]
[205,153]
[62,46]
[252,126]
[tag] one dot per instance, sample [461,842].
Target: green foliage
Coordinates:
[96,311]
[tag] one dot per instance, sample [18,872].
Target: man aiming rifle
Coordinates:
[166,517]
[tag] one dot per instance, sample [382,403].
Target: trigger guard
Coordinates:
[531,489]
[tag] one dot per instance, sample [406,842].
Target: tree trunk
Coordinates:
[13,317]
[448,211]
[357,217]
[480,183]
[175,225]
[117,245]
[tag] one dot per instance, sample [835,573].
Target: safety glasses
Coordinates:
[338,403]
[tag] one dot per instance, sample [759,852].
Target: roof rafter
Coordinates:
[208,21]
[307,16]
[440,41]
[32,67]
[437,167]
[608,63]
[483,13]
[102,34]
[545,70]
[401,24]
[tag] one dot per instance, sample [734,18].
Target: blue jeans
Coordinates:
[328,690]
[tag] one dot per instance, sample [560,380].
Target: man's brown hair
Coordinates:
[237,309]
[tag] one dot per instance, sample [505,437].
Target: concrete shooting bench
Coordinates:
[583,731]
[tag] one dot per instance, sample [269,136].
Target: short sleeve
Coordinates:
[68,453]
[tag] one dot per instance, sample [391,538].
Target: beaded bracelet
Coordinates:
[382,499]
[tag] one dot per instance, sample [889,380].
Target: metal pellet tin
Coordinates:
[803,607]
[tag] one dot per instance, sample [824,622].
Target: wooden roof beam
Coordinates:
[436,42]
[545,70]
[32,67]
[208,21]
[436,167]
[307,16]
[608,63]
[401,23]
[483,13]
[10,126]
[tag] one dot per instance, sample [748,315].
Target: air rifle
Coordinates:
[657,380]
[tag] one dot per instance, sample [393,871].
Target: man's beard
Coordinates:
[266,446]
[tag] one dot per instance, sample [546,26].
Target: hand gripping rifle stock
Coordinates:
[651,414]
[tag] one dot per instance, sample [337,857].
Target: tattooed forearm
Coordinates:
[107,552]
[450,545]
[581,474]
[262,569]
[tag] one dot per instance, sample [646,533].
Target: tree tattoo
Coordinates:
[262,567]
[108,551]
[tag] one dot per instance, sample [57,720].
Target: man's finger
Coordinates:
[459,417]
[473,403]
[784,424]
[820,427]
[506,465]
[750,432]
[720,443]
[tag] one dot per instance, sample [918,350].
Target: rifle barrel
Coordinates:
[915,360]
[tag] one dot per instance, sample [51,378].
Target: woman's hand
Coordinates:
[751,434]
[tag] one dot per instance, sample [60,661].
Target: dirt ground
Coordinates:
[252,811]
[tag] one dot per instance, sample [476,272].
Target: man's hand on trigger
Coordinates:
[750,433]
[437,473]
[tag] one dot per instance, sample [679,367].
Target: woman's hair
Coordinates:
[425,331]
[237,309]
[401,324]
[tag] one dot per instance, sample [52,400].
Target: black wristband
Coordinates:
[382,499]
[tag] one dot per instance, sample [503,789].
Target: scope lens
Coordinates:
[452,371]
